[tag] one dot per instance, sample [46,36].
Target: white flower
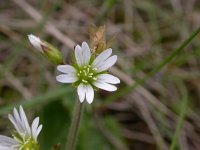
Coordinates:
[89,72]
[36,42]
[25,137]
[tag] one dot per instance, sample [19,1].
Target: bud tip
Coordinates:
[35,41]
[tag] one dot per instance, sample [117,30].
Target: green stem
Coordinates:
[156,68]
[183,111]
[73,132]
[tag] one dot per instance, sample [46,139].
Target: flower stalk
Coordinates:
[75,123]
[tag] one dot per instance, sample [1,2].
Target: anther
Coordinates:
[84,81]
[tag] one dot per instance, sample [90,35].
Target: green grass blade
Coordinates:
[156,69]
[183,110]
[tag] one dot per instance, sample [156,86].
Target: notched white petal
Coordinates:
[24,121]
[79,55]
[86,53]
[34,127]
[108,78]
[89,93]
[107,64]
[6,148]
[16,115]
[39,130]
[105,86]
[66,69]
[81,90]
[102,57]
[66,78]
[15,124]
[7,141]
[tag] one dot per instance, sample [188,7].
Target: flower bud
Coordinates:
[48,50]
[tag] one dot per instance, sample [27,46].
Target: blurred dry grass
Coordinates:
[146,32]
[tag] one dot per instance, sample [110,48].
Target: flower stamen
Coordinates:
[86,74]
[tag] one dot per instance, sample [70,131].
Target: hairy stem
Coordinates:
[73,132]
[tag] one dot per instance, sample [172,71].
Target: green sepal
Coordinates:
[52,53]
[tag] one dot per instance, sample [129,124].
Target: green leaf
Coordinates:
[55,120]
[114,127]
[90,138]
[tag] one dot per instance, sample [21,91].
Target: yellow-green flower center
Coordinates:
[86,74]
[29,144]
[26,142]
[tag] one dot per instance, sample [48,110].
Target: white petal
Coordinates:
[66,69]
[34,127]
[16,116]
[108,78]
[79,55]
[102,57]
[17,126]
[7,142]
[66,78]
[89,94]
[105,86]
[81,92]
[39,130]
[24,121]
[36,42]
[107,64]
[7,148]
[86,53]
[17,120]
